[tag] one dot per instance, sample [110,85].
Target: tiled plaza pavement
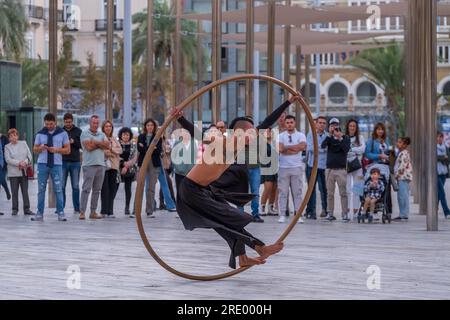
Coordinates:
[321,260]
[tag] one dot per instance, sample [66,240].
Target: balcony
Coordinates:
[34,12]
[102,24]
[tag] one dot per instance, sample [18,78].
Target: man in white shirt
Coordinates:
[291,145]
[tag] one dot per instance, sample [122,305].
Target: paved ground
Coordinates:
[321,260]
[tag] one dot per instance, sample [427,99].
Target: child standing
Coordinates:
[372,190]
[403,174]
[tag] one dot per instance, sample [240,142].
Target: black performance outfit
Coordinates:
[209,207]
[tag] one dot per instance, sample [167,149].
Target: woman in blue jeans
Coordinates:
[442,171]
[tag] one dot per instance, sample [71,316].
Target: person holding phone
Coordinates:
[50,145]
[338,146]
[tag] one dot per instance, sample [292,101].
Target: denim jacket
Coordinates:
[373,149]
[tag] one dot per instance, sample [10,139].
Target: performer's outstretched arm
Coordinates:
[276,114]
[189,126]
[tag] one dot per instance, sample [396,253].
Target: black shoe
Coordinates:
[172,210]
[287,213]
[2,214]
[162,207]
[258,219]
[397,219]
[8,195]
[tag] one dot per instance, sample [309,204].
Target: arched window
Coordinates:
[338,93]
[446,89]
[366,92]
[312,92]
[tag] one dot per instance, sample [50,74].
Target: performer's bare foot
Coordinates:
[267,251]
[246,261]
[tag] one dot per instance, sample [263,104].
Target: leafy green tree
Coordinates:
[34,83]
[13,25]
[386,68]
[93,85]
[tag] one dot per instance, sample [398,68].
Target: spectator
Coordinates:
[373,190]
[154,166]
[338,146]
[354,166]
[111,179]
[50,144]
[166,194]
[321,124]
[18,157]
[403,173]
[221,126]
[377,151]
[291,145]
[72,162]
[269,180]
[93,143]
[183,155]
[128,165]
[443,172]
[3,166]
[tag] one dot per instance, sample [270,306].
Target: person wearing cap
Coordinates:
[338,146]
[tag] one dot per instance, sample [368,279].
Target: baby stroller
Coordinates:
[381,204]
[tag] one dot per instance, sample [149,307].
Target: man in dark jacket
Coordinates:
[338,145]
[72,162]
[3,170]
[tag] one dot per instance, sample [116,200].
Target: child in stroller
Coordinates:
[374,197]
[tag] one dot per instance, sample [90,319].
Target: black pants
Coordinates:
[109,191]
[3,183]
[178,179]
[169,182]
[23,183]
[389,198]
[127,182]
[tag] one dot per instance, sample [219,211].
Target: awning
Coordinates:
[313,49]
[284,15]
[306,37]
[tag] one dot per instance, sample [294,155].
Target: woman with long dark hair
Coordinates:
[378,151]
[144,141]
[354,167]
[128,164]
[111,180]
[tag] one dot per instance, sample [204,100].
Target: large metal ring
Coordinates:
[148,156]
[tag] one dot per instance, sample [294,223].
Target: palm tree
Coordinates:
[13,25]
[164,29]
[386,68]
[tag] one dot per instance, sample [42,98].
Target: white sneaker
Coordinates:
[282,219]
[301,221]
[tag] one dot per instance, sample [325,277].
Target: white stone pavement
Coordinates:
[321,260]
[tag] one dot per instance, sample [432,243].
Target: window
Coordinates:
[241,27]
[312,92]
[241,94]
[446,89]
[366,92]
[241,60]
[202,6]
[115,48]
[224,59]
[263,62]
[338,93]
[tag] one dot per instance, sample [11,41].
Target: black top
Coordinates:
[126,152]
[236,177]
[143,147]
[337,152]
[4,140]
[75,134]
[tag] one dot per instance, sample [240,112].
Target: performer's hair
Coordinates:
[239,119]
[155,126]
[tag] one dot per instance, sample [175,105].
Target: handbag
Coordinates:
[394,182]
[353,165]
[30,172]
